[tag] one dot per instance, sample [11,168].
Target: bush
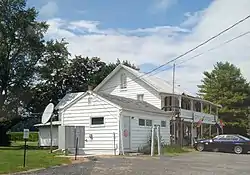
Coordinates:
[18,136]
[4,138]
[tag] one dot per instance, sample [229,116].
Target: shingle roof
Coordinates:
[127,103]
[162,86]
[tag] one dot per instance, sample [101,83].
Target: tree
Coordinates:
[21,47]
[84,71]
[51,74]
[226,86]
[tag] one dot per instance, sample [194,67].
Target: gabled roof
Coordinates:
[158,84]
[122,102]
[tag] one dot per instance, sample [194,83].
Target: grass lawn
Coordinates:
[11,158]
[175,150]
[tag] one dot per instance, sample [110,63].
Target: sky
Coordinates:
[149,33]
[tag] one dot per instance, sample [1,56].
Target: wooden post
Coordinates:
[192,130]
[181,132]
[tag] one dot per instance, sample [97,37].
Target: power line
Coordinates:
[191,50]
[209,50]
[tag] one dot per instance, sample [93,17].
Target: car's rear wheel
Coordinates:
[238,149]
[200,147]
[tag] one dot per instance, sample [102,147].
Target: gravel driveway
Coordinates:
[205,163]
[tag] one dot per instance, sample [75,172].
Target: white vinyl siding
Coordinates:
[44,136]
[135,86]
[81,114]
[140,134]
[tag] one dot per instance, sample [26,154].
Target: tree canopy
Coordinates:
[35,71]
[226,86]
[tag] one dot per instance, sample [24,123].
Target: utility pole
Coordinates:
[248,112]
[173,104]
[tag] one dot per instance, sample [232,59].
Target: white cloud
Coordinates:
[164,4]
[162,43]
[49,10]
[192,18]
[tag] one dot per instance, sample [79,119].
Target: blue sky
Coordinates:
[149,33]
[127,14]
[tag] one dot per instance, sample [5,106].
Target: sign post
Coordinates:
[25,137]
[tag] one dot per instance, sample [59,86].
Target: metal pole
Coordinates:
[152,141]
[51,141]
[192,133]
[158,139]
[76,149]
[114,144]
[248,111]
[173,101]
[24,155]
[210,130]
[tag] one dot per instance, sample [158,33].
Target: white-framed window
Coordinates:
[163,124]
[148,122]
[97,121]
[141,122]
[123,81]
[140,97]
[145,122]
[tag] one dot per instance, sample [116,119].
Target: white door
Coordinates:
[126,132]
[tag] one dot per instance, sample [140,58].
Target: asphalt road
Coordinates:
[205,163]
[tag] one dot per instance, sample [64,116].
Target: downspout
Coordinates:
[121,145]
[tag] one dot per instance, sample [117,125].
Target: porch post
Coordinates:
[121,133]
[210,130]
[201,130]
[201,106]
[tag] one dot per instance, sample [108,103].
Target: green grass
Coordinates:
[11,158]
[175,150]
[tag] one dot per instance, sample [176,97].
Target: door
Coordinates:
[126,133]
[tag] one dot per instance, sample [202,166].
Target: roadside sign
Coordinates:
[26,133]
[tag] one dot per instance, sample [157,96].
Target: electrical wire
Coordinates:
[209,50]
[187,52]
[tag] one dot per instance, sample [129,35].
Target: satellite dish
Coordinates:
[47,113]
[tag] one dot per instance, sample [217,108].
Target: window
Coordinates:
[232,138]
[163,123]
[141,122]
[244,138]
[140,97]
[123,81]
[148,122]
[97,121]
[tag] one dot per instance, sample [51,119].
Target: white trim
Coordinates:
[89,93]
[189,97]
[99,125]
[108,77]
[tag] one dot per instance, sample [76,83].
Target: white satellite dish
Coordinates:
[47,113]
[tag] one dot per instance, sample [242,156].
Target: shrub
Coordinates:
[4,138]
[18,136]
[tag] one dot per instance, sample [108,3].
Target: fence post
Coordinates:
[158,139]
[152,141]
[76,149]
[114,144]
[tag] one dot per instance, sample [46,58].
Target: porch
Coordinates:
[186,113]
